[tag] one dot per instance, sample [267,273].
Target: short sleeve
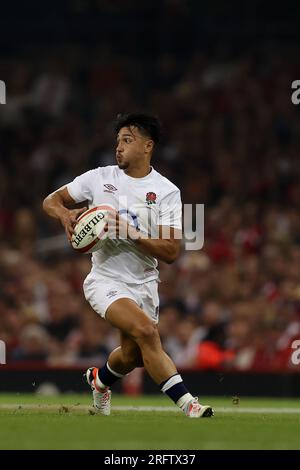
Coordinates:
[170,211]
[81,188]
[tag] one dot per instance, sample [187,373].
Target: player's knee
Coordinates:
[145,333]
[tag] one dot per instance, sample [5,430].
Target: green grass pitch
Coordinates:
[66,422]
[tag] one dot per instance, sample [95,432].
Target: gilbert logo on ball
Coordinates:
[2,92]
[89,233]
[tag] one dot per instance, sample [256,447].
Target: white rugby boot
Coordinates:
[193,409]
[101,398]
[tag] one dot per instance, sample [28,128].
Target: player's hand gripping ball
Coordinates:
[89,234]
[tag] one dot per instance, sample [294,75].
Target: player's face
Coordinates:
[131,148]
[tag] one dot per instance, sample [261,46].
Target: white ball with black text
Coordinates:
[89,234]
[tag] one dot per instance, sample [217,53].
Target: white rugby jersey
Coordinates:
[137,199]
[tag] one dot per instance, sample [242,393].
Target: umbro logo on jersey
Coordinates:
[110,188]
[111,293]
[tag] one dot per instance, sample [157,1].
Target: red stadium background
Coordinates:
[221,83]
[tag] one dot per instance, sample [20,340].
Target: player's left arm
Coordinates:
[166,248]
[167,245]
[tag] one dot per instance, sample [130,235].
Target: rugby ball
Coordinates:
[89,234]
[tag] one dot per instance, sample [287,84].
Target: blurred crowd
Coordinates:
[231,142]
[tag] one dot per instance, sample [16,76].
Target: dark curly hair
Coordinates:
[147,124]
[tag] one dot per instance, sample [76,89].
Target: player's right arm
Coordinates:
[55,205]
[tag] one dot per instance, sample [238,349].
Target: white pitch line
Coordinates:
[217,409]
[258,410]
[70,408]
